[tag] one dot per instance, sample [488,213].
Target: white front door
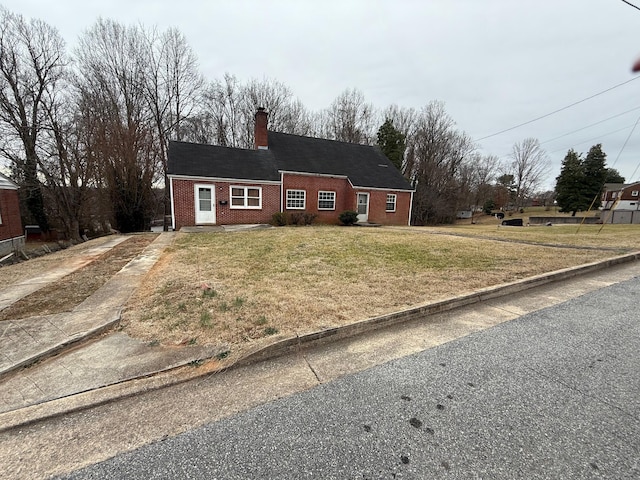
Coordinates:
[363,207]
[205,204]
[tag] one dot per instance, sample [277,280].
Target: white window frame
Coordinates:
[295,198]
[333,199]
[634,193]
[394,198]
[245,197]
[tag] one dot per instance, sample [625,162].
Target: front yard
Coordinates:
[243,288]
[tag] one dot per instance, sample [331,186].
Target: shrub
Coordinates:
[309,218]
[279,219]
[348,217]
[296,218]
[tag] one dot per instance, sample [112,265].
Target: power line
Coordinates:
[631,5]
[625,143]
[593,138]
[589,126]
[556,111]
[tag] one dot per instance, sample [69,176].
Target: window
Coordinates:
[391,202]
[634,193]
[326,200]
[295,199]
[246,197]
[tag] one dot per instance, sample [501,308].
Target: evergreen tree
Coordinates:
[613,176]
[570,184]
[580,182]
[392,143]
[595,174]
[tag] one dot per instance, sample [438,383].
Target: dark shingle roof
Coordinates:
[364,165]
[200,160]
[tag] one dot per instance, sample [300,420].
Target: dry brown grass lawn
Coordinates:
[616,237]
[242,288]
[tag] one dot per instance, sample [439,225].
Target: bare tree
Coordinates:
[32,61]
[529,168]
[436,154]
[484,170]
[125,142]
[173,85]
[69,172]
[351,118]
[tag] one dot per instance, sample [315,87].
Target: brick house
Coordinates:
[213,185]
[621,203]
[11,234]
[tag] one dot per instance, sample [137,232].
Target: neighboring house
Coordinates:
[621,203]
[11,234]
[285,173]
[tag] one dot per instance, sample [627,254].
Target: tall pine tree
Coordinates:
[569,184]
[595,174]
[392,143]
[580,182]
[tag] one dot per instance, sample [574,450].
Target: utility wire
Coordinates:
[593,138]
[556,111]
[589,126]
[625,143]
[631,5]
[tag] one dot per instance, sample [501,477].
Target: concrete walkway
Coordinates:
[112,359]
[13,293]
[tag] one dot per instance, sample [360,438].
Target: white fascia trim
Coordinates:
[229,180]
[307,174]
[173,208]
[383,189]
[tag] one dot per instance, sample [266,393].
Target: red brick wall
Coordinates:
[378,206]
[184,203]
[346,199]
[11,224]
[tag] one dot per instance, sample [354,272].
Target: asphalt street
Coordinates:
[554,394]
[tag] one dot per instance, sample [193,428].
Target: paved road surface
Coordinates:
[552,395]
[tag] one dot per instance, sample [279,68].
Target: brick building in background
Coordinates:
[11,233]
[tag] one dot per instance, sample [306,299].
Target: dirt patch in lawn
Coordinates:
[71,290]
[245,288]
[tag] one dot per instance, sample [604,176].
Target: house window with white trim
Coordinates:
[246,197]
[296,199]
[391,202]
[326,200]
[634,193]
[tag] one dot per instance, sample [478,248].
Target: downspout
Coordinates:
[281,192]
[410,209]
[173,210]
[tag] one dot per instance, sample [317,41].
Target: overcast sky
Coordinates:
[495,63]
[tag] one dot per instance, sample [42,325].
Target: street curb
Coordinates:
[293,343]
[181,374]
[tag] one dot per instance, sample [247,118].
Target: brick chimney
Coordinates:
[260,133]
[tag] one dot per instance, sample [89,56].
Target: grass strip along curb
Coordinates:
[182,374]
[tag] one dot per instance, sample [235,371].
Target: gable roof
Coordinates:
[201,160]
[364,165]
